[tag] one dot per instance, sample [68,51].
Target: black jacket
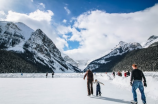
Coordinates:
[137,74]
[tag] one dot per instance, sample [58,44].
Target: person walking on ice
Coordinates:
[98,87]
[46,74]
[90,80]
[136,82]
[52,74]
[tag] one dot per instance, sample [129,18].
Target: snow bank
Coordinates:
[152,83]
[42,75]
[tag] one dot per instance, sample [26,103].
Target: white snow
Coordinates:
[68,88]
[18,47]
[26,31]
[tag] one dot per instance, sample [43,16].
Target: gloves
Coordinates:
[131,83]
[145,84]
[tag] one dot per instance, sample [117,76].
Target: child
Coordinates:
[98,87]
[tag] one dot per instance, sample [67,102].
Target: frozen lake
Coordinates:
[71,89]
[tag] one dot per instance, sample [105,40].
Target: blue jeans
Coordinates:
[138,84]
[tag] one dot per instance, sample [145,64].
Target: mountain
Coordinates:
[106,62]
[152,39]
[81,64]
[14,35]
[34,47]
[70,60]
[146,59]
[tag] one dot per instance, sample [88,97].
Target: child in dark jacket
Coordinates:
[98,87]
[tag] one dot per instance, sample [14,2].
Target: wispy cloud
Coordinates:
[64,20]
[67,10]
[41,4]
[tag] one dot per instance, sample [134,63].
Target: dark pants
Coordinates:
[98,90]
[90,87]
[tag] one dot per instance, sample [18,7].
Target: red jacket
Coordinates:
[125,74]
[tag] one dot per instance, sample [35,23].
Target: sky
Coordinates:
[86,29]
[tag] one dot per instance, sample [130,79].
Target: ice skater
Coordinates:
[113,73]
[136,82]
[90,80]
[98,88]
[52,74]
[46,74]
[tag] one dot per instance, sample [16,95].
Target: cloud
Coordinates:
[61,43]
[67,10]
[64,20]
[42,5]
[2,15]
[98,31]
[36,16]
[17,5]
[31,0]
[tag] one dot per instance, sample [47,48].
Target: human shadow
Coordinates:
[112,99]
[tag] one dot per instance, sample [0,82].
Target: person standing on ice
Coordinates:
[52,74]
[128,73]
[136,82]
[98,87]
[113,73]
[46,74]
[90,80]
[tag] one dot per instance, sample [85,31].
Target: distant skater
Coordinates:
[98,88]
[52,74]
[128,73]
[90,79]
[46,74]
[136,82]
[125,74]
[113,73]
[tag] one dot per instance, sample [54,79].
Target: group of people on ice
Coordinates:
[135,81]
[126,73]
[52,74]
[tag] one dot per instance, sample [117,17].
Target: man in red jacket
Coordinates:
[90,79]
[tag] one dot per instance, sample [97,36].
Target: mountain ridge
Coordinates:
[33,46]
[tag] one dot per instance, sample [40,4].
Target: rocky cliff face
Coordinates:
[33,46]
[70,60]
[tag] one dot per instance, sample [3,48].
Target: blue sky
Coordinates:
[86,28]
[78,7]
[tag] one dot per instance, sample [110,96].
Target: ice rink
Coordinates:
[66,90]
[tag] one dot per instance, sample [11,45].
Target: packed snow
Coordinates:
[70,88]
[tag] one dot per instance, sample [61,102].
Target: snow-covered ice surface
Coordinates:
[63,89]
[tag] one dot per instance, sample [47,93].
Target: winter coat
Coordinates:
[89,75]
[98,83]
[125,74]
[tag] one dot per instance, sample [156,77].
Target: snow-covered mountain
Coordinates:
[119,50]
[35,46]
[150,41]
[70,60]
[14,35]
